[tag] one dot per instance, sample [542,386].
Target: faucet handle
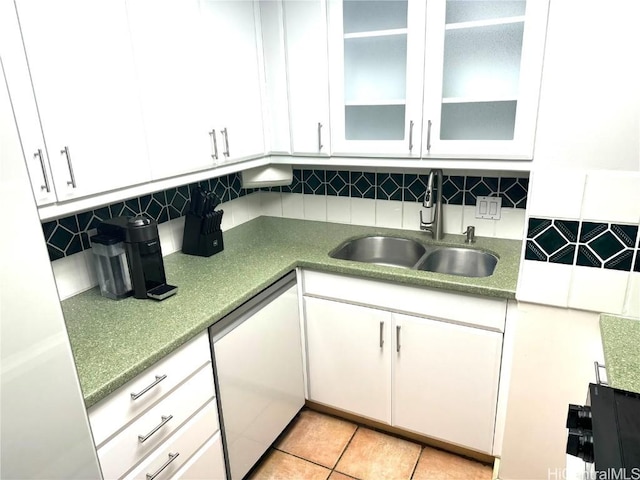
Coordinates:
[471,234]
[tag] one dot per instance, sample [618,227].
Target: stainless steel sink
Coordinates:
[406,253]
[389,251]
[459,261]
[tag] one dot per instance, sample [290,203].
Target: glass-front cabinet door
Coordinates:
[376,55]
[482,77]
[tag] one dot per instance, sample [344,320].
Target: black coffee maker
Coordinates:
[144,255]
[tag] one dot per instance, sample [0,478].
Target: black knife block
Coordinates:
[201,244]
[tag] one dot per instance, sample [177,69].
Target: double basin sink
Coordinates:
[407,253]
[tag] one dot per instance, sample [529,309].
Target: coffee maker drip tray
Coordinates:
[162,291]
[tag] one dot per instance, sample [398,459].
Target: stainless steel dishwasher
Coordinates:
[257,360]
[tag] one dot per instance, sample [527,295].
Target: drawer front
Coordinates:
[112,414]
[178,450]
[126,449]
[206,464]
[484,312]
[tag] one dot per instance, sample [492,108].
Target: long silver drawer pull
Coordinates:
[65,152]
[172,457]
[381,333]
[428,136]
[320,137]
[225,134]
[46,187]
[410,135]
[165,419]
[598,366]
[398,338]
[214,155]
[159,378]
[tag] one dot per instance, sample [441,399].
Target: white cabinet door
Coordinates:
[482,77]
[83,76]
[24,105]
[260,382]
[446,380]
[348,357]
[206,464]
[179,89]
[376,52]
[306,48]
[231,47]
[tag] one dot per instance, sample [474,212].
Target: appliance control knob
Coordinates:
[580,444]
[579,417]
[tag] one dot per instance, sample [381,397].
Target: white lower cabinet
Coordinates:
[425,374]
[445,380]
[348,354]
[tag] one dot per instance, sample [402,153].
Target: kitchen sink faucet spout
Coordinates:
[431,211]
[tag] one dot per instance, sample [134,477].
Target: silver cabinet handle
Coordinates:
[214,140]
[410,135]
[65,152]
[320,137]
[225,134]
[428,136]
[44,171]
[398,338]
[165,419]
[598,366]
[159,378]
[172,457]
[381,334]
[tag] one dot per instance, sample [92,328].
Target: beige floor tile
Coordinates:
[339,476]
[375,456]
[439,465]
[317,437]
[282,466]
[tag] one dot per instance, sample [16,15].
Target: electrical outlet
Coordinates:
[488,207]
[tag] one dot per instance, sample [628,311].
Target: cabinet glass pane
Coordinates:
[375,69]
[483,62]
[372,15]
[478,121]
[474,10]
[375,122]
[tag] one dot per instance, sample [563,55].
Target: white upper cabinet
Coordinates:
[231,45]
[482,77]
[305,25]
[177,90]
[376,51]
[24,105]
[201,107]
[83,76]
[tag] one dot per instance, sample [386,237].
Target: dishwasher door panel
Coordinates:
[258,363]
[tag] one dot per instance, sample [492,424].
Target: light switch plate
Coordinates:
[488,207]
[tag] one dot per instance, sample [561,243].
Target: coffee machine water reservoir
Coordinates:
[111,266]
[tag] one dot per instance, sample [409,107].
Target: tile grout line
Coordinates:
[413,472]
[345,449]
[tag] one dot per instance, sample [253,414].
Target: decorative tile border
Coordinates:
[408,187]
[591,244]
[69,235]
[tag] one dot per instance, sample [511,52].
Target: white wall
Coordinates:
[589,113]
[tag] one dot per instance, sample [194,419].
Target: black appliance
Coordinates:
[144,255]
[605,433]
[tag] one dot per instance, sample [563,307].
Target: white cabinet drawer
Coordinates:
[112,414]
[488,313]
[206,464]
[126,449]
[179,448]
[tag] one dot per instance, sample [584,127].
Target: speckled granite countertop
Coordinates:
[621,344]
[113,341]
